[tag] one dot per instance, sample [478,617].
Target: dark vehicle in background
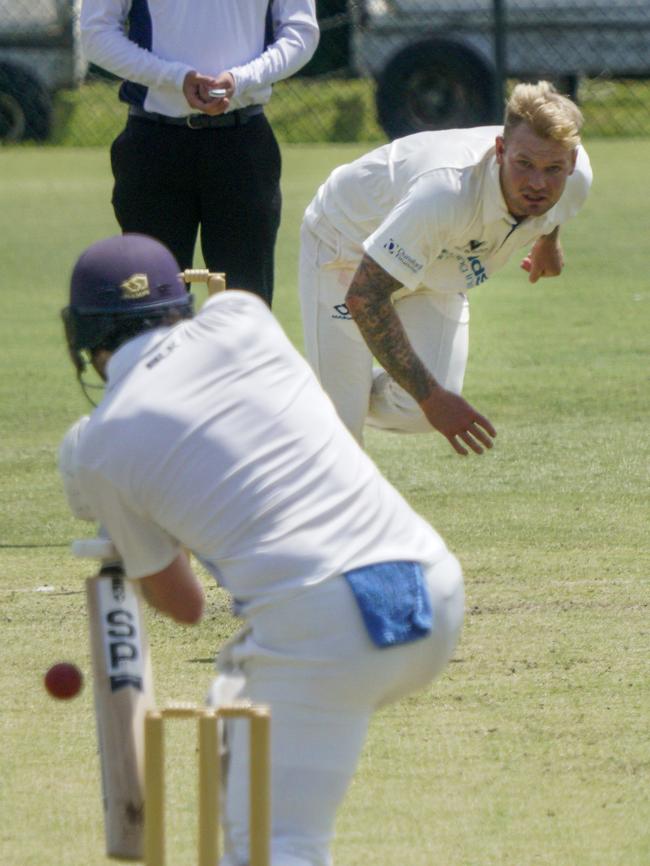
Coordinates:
[434,61]
[436,64]
[39,55]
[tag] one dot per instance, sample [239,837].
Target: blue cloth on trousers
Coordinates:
[393,601]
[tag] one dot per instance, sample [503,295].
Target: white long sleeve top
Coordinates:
[155,43]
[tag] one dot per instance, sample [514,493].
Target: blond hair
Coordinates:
[546,112]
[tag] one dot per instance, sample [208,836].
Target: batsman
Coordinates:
[213,434]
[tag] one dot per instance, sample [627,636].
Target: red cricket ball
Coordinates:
[63,680]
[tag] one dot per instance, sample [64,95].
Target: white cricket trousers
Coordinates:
[437,326]
[310,659]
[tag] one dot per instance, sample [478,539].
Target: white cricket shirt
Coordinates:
[428,208]
[215,434]
[169,38]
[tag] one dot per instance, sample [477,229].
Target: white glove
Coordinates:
[101,547]
[69,469]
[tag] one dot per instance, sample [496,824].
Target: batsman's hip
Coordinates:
[315,647]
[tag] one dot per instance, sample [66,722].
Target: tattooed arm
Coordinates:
[369,302]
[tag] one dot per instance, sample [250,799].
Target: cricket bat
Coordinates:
[123,692]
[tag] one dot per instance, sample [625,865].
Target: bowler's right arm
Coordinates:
[369,302]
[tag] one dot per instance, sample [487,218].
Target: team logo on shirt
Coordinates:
[478,271]
[136,286]
[341,312]
[398,252]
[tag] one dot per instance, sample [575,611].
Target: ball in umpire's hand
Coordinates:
[63,680]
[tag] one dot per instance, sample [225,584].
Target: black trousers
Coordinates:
[169,180]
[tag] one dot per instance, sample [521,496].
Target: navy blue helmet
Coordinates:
[121,286]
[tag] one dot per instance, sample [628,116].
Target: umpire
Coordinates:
[187,158]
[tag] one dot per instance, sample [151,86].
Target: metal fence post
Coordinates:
[500,25]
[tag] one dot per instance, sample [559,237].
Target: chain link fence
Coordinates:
[384,68]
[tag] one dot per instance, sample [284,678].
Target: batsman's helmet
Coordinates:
[121,286]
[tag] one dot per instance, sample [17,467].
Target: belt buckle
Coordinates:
[188,121]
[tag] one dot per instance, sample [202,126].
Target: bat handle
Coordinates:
[216,281]
[94,548]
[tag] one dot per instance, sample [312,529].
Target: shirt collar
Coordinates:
[129,354]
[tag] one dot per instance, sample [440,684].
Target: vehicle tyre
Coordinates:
[25,106]
[434,84]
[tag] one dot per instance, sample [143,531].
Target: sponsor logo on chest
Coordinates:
[470,266]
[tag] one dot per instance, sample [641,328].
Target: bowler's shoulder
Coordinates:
[583,163]
[457,149]
[583,175]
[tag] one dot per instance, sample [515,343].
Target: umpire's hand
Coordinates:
[196,89]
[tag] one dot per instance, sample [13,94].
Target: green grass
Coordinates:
[533,748]
[330,109]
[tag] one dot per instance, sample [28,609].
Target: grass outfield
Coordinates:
[533,748]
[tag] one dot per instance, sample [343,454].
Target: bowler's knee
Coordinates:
[392,408]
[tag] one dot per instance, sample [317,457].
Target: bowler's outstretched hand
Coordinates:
[458,421]
[546,258]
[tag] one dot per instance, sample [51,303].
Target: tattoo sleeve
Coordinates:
[370,305]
